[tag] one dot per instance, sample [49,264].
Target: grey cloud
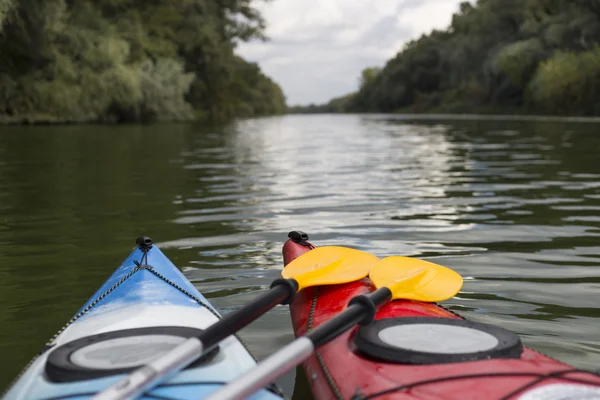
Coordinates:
[408,4]
[385,32]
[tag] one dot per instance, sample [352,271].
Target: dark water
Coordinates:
[512,206]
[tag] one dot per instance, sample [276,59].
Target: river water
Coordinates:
[513,206]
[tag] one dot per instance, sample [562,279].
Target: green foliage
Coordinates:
[518,60]
[496,54]
[368,75]
[568,82]
[131,60]
[5,7]
[163,85]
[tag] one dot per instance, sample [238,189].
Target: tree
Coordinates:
[496,53]
[368,75]
[568,82]
[131,60]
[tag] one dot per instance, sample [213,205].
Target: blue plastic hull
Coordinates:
[141,298]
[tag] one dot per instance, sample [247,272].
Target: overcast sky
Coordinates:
[318,48]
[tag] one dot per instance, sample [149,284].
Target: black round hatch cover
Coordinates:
[419,340]
[116,352]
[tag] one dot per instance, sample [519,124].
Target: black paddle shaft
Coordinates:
[282,292]
[361,310]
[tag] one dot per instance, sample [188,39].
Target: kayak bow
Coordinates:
[145,309]
[419,350]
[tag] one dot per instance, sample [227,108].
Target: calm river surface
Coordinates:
[513,206]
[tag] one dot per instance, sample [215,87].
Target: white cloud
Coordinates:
[318,48]
[429,15]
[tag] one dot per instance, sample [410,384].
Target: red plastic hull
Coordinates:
[338,371]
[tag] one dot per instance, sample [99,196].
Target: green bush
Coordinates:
[519,60]
[568,83]
[163,87]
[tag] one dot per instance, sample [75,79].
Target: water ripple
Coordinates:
[504,203]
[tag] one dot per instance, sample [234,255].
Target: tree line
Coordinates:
[539,56]
[130,60]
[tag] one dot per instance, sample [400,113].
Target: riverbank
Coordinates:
[96,62]
[482,114]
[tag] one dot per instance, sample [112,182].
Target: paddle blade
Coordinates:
[414,279]
[329,265]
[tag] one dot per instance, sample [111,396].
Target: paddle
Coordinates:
[394,277]
[327,265]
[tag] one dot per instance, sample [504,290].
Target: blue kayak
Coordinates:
[142,311]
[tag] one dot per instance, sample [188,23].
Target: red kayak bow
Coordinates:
[416,350]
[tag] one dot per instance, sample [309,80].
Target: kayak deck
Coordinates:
[340,371]
[346,368]
[145,308]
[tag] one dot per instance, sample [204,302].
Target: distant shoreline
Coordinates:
[465,116]
[47,121]
[11,121]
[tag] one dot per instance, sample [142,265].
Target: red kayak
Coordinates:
[415,350]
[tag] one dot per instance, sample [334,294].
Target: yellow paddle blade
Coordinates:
[414,279]
[329,265]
